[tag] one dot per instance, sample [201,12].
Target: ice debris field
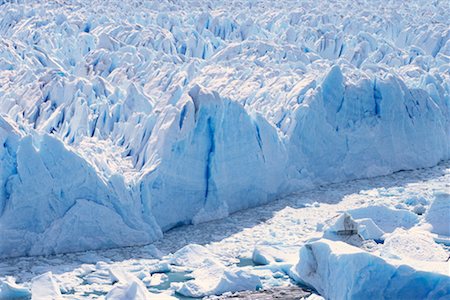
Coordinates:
[124,120]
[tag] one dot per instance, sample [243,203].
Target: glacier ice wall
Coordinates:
[121,121]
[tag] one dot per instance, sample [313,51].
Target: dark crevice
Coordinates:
[209,156]
[377,97]
[258,138]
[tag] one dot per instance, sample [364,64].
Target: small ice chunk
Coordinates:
[194,256]
[343,228]
[315,297]
[129,287]
[342,225]
[369,230]
[158,279]
[419,209]
[10,290]
[267,254]
[45,287]
[131,290]
[216,280]
[438,215]
[160,267]
[120,275]
[387,219]
[413,201]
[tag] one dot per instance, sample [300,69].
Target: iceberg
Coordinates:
[341,271]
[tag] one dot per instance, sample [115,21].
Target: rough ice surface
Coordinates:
[413,244]
[340,271]
[149,115]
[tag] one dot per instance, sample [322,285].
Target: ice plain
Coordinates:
[122,120]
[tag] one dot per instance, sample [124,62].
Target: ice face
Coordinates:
[152,115]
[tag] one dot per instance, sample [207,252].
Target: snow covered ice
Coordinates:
[123,120]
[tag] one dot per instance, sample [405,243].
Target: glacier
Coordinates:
[119,122]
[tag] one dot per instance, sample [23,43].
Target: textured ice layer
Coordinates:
[121,121]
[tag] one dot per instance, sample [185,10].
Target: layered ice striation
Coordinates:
[121,121]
